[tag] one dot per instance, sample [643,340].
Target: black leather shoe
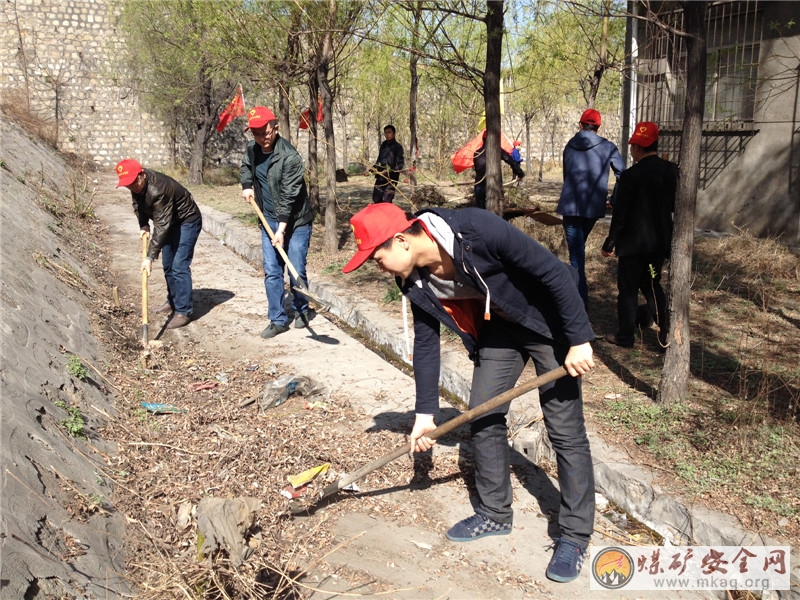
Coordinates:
[611,338]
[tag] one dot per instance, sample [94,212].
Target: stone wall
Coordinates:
[59,54]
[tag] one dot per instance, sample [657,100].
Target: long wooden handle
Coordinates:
[278,247]
[145,332]
[447,427]
[299,283]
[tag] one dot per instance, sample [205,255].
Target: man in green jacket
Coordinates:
[273,173]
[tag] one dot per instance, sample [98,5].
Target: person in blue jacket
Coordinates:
[510,300]
[587,160]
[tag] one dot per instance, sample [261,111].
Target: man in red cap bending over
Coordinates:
[587,160]
[641,234]
[510,300]
[177,223]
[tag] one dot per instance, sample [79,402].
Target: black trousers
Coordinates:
[641,272]
[384,188]
[505,348]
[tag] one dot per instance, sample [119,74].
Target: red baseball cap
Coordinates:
[259,116]
[591,117]
[127,171]
[645,134]
[517,143]
[372,226]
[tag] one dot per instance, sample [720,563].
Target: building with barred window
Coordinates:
[750,160]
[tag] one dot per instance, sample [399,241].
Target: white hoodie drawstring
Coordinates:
[405,328]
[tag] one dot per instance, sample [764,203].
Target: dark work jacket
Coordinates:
[523,279]
[287,184]
[479,163]
[390,160]
[587,160]
[642,219]
[167,203]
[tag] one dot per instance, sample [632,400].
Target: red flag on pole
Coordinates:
[233,110]
[305,116]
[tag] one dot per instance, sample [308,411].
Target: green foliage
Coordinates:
[95,502]
[392,295]
[335,268]
[76,368]
[74,423]
[177,58]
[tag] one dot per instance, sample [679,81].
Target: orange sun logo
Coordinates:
[612,568]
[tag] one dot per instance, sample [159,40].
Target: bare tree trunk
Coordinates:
[674,382]
[491,96]
[313,161]
[331,232]
[528,117]
[412,100]
[602,60]
[345,158]
[23,58]
[284,110]
[203,128]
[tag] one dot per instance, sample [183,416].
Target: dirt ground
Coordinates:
[221,442]
[387,539]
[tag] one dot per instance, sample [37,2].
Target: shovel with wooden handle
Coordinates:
[145,332]
[300,286]
[447,427]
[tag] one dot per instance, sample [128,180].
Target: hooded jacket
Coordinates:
[587,160]
[167,203]
[519,276]
[287,184]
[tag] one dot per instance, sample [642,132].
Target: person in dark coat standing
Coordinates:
[641,233]
[587,160]
[387,168]
[510,300]
[177,224]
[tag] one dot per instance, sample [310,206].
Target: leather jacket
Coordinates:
[167,203]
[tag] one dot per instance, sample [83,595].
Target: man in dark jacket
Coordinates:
[641,233]
[387,168]
[587,160]
[272,172]
[479,164]
[510,300]
[177,223]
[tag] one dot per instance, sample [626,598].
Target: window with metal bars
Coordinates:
[733,40]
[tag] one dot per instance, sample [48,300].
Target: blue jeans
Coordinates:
[176,258]
[295,243]
[504,349]
[577,230]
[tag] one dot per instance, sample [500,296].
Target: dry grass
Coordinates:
[14,105]
[745,386]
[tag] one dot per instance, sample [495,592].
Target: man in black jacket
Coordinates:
[387,168]
[510,300]
[177,223]
[641,233]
